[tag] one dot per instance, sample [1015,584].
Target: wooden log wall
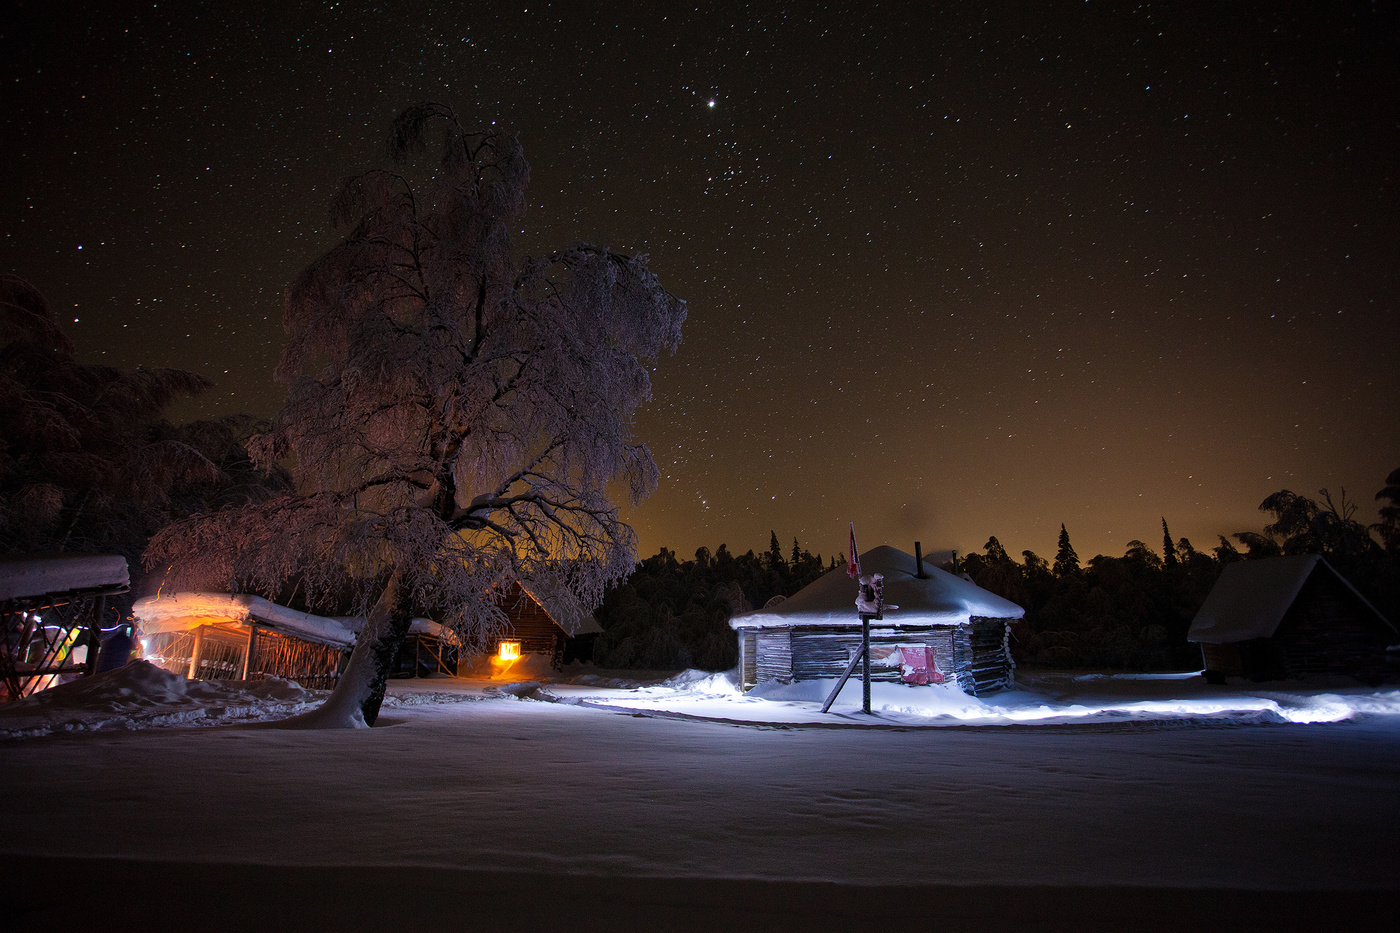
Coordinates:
[773,655]
[962,657]
[748,662]
[1223,659]
[821,651]
[989,660]
[974,656]
[1328,630]
[532,626]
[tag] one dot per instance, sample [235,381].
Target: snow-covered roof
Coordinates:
[24,575]
[561,607]
[1251,597]
[940,598]
[179,612]
[436,629]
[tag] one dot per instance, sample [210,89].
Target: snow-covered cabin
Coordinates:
[52,610]
[954,629]
[216,636]
[1284,617]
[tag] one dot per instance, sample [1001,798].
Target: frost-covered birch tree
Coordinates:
[456,417]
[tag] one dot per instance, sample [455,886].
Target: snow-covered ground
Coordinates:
[1078,803]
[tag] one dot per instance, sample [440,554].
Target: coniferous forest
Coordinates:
[1113,613]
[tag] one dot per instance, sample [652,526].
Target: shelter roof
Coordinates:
[24,575]
[1251,598]
[180,612]
[938,599]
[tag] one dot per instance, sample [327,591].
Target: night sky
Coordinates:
[952,271]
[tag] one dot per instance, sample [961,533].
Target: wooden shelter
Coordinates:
[215,636]
[936,628]
[53,614]
[428,648]
[1286,617]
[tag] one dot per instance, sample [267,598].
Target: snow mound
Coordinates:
[142,695]
[705,683]
[427,698]
[1157,701]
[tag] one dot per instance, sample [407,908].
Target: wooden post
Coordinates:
[865,663]
[95,634]
[252,646]
[196,651]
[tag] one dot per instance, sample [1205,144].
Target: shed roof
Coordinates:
[1251,598]
[561,607]
[23,575]
[938,599]
[180,612]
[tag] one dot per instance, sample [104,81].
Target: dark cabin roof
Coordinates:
[1251,598]
[561,607]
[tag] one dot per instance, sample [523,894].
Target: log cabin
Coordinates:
[935,628]
[535,632]
[1281,618]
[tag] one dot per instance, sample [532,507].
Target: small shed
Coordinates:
[936,628]
[1286,617]
[53,614]
[535,629]
[428,648]
[217,636]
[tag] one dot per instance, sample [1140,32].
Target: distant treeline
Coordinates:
[672,614]
[1119,613]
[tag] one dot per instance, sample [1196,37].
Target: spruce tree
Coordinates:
[1168,549]
[775,554]
[1066,561]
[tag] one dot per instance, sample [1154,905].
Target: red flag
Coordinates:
[853,565]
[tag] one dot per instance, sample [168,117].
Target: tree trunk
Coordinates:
[355,702]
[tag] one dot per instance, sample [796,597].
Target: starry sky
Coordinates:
[954,270]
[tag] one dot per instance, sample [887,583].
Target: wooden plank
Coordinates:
[773,648]
[850,669]
[748,663]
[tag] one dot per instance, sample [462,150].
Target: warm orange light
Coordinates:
[509,651]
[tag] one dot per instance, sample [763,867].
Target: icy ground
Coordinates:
[1128,804]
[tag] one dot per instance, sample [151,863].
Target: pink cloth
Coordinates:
[918,666]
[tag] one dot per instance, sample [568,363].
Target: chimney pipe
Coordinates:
[919,561]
